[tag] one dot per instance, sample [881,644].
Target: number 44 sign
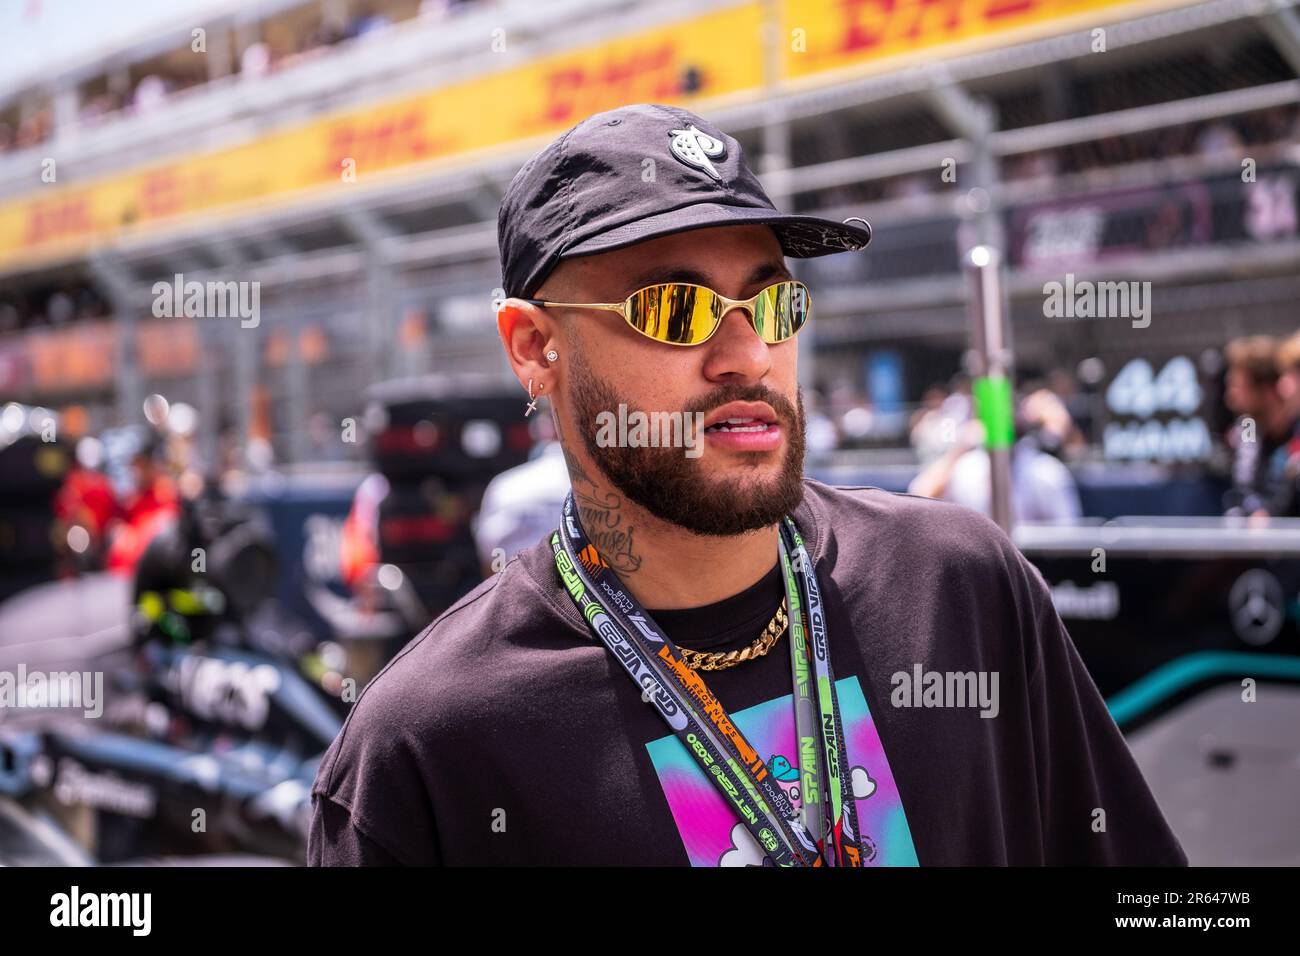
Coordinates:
[1153,414]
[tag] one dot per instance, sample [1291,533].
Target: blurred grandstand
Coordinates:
[349,156]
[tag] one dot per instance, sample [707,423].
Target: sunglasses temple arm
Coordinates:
[607,306]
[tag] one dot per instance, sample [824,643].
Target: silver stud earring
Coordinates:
[552,355]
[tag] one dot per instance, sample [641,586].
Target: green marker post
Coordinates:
[991,385]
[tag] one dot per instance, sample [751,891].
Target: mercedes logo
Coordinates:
[1257,606]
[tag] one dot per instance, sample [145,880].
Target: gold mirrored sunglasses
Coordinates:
[679,313]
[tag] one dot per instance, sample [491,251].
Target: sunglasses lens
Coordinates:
[673,312]
[687,314]
[781,310]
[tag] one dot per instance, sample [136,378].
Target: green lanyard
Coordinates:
[696,717]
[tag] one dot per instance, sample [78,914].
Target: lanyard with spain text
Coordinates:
[839,809]
[696,717]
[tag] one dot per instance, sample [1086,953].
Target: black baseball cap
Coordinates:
[635,173]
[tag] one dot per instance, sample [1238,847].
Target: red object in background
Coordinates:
[145,514]
[359,547]
[86,498]
[158,495]
[358,550]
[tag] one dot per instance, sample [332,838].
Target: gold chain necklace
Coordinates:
[721,660]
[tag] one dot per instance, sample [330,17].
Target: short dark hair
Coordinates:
[1255,356]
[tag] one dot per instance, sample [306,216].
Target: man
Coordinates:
[86,499]
[1261,436]
[652,683]
[1284,464]
[153,502]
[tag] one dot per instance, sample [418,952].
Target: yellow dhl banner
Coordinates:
[832,40]
[714,57]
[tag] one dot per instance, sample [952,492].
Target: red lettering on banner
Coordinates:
[647,75]
[859,33]
[411,132]
[562,88]
[339,148]
[57,218]
[929,17]
[161,194]
[872,23]
[382,143]
[385,142]
[997,9]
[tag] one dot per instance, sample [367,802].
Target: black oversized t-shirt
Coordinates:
[505,734]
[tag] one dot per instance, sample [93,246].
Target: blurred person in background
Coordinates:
[1288,376]
[255,61]
[35,129]
[151,504]
[1265,427]
[368,19]
[1217,137]
[1078,405]
[331,31]
[936,425]
[154,489]
[1283,472]
[1046,417]
[86,500]
[519,505]
[150,94]
[958,405]
[1042,488]
[933,426]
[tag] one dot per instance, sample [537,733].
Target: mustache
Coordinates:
[737,392]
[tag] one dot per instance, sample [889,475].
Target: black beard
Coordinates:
[670,486]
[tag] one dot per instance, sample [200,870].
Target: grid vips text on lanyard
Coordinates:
[827,831]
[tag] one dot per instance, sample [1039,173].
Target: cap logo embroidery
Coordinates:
[695,148]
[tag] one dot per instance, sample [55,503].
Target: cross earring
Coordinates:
[532,402]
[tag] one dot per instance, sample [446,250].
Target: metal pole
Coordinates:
[991,384]
[991,388]
[774,164]
[991,379]
[209,399]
